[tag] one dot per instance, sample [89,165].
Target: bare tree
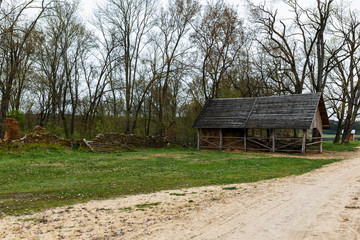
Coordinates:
[298,46]
[16,32]
[172,51]
[65,40]
[127,22]
[218,37]
[344,91]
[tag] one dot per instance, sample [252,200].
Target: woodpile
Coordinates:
[39,130]
[40,135]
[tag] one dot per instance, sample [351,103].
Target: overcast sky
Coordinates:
[87,6]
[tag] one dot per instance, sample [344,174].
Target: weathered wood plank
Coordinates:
[221,140]
[88,145]
[198,139]
[269,110]
[273,140]
[303,147]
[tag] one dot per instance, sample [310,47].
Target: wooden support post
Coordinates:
[273,140]
[198,139]
[245,137]
[303,148]
[221,139]
[321,142]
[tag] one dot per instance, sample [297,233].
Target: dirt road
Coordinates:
[323,204]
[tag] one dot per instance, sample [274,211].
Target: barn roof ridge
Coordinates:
[275,96]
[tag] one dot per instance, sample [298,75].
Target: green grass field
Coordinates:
[352,146]
[328,135]
[36,178]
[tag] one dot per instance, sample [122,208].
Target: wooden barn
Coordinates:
[277,123]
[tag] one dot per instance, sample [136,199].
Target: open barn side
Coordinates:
[275,124]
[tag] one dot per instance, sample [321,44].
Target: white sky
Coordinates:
[87,6]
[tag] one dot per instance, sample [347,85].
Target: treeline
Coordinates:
[140,65]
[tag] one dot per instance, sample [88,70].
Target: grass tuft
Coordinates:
[178,194]
[147,205]
[126,209]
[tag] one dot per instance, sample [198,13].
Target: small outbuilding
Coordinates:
[352,134]
[278,123]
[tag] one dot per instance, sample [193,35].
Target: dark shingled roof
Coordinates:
[277,112]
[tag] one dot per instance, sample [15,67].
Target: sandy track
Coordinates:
[323,204]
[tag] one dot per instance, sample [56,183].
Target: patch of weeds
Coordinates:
[193,192]
[70,207]
[141,207]
[191,201]
[103,209]
[178,194]
[229,188]
[126,209]
[205,191]
[147,205]
[215,199]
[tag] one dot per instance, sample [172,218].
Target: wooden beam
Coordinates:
[88,145]
[215,145]
[198,139]
[221,139]
[320,147]
[321,142]
[292,143]
[273,140]
[303,148]
[313,143]
[231,143]
[253,141]
[245,139]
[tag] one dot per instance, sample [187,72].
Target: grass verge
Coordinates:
[338,147]
[37,178]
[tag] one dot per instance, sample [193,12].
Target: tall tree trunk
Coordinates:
[349,123]
[338,132]
[4,108]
